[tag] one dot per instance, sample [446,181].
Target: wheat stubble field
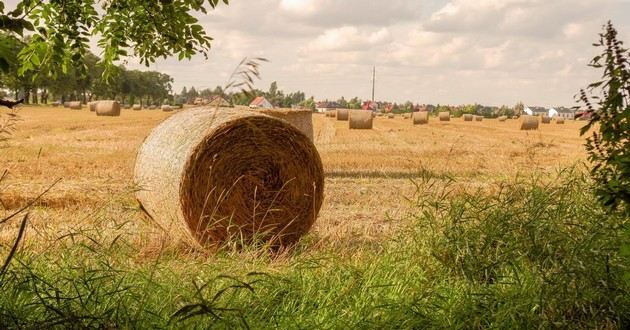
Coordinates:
[369,173]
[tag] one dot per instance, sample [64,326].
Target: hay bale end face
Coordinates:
[361,119]
[108,108]
[136,107]
[343,114]
[529,123]
[92,106]
[212,176]
[420,118]
[302,119]
[468,117]
[445,116]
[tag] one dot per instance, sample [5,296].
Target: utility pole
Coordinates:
[373,82]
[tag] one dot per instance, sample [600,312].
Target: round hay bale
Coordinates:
[56,104]
[92,106]
[468,117]
[211,176]
[391,116]
[445,116]
[380,114]
[420,118]
[108,108]
[152,107]
[127,106]
[406,116]
[502,119]
[66,104]
[302,119]
[343,114]
[167,108]
[546,120]
[76,105]
[515,117]
[478,118]
[560,121]
[136,107]
[331,113]
[529,123]
[361,119]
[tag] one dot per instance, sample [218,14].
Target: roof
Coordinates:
[259,101]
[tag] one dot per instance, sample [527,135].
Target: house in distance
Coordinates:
[261,103]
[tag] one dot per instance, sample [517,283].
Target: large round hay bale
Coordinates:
[406,116]
[546,120]
[478,118]
[108,108]
[343,114]
[302,119]
[136,107]
[445,116]
[56,104]
[361,119]
[468,117]
[92,106]
[391,116]
[66,104]
[76,105]
[560,121]
[167,108]
[502,119]
[529,123]
[420,118]
[215,176]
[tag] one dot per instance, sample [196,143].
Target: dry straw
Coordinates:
[331,113]
[468,117]
[546,120]
[302,119]
[342,114]
[478,118]
[560,121]
[66,104]
[391,116]
[76,105]
[529,123]
[361,119]
[108,108]
[211,176]
[420,118]
[502,119]
[445,116]
[136,107]
[167,108]
[92,106]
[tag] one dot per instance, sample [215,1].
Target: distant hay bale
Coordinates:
[380,114]
[56,104]
[546,120]
[515,117]
[342,114]
[331,113]
[127,106]
[76,105]
[108,108]
[213,176]
[420,118]
[478,118]
[136,107]
[66,104]
[406,116]
[445,116]
[468,117]
[302,119]
[529,123]
[560,121]
[502,119]
[167,108]
[92,106]
[152,107]
[361,119]
[391,116]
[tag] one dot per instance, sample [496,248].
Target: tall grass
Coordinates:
[530,253]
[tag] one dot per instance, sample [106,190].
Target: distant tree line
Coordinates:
[274,95]
[81,84]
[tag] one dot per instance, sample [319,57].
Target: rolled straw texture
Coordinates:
[361,119]
[136,107]
[108,108]
[468,117]
[302,119]
[560,121]
[502,119]
[529,123]
[76,105]
[167,108]
[546,120]
[209,176]
[92,106]
[478,118]
[420,118]
[342,114]
[445,116]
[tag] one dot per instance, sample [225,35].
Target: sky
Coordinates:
[492,52]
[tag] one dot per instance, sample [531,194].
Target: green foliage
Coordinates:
[608,102]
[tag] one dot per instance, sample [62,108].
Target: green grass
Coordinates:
[530,253]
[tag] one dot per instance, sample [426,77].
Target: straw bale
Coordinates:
[502,119]
[468,117]
[478,118]
[108,108]
[342,114]
[445,116]
[209,176]
[66,104]
[361,119]
[92,106]
[546,120]
[136,107]
[560,121]
[420,118]
[167,108]
[529,123]
[76,105]
[302,118]
[331,113]
[391,116]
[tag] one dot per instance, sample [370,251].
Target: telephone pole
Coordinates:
[373,82]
